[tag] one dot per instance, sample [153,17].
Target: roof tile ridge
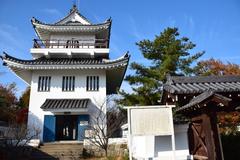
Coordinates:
[73,10]
[123,57]
[9,57]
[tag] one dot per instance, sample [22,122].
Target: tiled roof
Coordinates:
[201,98]
[35,22]
[200,84]
[74,9]
[55,104]
[63,61]
[203,79]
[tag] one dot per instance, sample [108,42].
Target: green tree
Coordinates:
[168,54]
[7,94]
[24,98]
[8,101]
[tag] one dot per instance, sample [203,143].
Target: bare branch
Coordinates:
[104,123]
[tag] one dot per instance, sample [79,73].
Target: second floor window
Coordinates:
[44,83]
[92,83]
[68,83]
[72,44]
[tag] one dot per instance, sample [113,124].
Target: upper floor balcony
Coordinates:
[73,47]
[73,43]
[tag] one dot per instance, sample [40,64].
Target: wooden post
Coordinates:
[209,137]
[216,136]
[213,142]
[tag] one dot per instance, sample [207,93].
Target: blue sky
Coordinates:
[213,25]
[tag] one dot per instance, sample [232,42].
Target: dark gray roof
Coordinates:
[35,22]
[202,79]
[55,104]
[200,84]
[201,98]
[63,61]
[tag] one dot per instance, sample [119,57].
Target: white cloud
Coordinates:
[9,35]
[134,29]
[97,18]
[52,11]
[189,24]
[114,47]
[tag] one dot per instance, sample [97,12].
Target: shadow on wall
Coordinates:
[163,143]
[96,110]
[34,123]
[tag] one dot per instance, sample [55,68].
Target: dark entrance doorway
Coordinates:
[66,127]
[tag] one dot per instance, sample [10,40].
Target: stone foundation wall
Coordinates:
[114,149]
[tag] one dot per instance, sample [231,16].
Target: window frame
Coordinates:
[92,83]
[68,83]
[44,83]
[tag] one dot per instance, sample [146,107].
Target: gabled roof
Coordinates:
[200,84]
[60,104]
[72,23]
[203,97]
[75,17]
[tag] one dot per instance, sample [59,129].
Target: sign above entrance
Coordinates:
[83,123]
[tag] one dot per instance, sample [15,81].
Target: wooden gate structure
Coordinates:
[200,98]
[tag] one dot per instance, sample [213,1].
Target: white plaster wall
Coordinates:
[75,17]
[36,114]
[159,147]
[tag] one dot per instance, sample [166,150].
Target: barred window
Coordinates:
[92,83]
[68,83]
[44,83]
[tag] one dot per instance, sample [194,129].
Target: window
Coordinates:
[44,83]
[72,44]
[92,83]
[68,83]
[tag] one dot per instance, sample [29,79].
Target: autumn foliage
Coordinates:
[217,67]
[12,109]
[227,121]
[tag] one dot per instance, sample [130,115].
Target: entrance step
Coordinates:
[60,151]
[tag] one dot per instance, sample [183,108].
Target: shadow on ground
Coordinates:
[24,153]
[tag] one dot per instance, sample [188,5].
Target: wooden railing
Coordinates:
[73,43]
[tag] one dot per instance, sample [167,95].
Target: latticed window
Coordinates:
[44,83]
[68,83]
[92,83]
[72,44]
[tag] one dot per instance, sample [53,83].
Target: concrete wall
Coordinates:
[36,114]
[160,147]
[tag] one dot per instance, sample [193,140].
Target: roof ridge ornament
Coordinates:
[169,78]
[74,8]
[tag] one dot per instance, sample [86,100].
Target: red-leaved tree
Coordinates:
[228,121]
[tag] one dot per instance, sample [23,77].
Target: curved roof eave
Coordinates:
[67,64]
[43,27]
[36,22]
